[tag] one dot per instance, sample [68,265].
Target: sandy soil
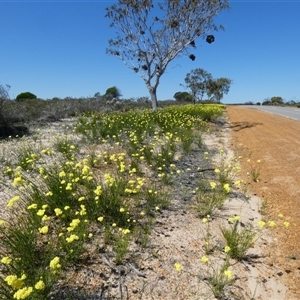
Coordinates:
[275,141]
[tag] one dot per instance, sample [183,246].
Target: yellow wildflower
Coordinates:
[54,263]
[72,238]
[40,285]
[204,259]
[44,230]
[45,218]
[98,190]
[14,281]
[227,249]
[226,187]
[286,224]
[228,274]
[58,211]
[237,183]
[40,212]
[23,293]
[178,267]
[62,174]
[213,185]
[261,224]
[69,187]
[6,260]
[32,206]
[271,223]
[18,181]
[73,224]
[12,201]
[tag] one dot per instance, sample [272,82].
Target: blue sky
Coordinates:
[58,49]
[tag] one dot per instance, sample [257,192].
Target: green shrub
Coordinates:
[25,96]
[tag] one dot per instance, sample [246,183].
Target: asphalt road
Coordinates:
[288,112]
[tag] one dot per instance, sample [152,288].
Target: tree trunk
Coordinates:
[153,97]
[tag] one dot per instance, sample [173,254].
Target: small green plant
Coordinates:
[66,148]
[255,169]
[208,248]
[238,238]
[209,199]
[121,244]
[26,158]
[187,140]
[219,279]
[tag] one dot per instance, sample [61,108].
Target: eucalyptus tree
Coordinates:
[150,34]
[197,81]
[218,87]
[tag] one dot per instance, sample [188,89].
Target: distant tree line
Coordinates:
[276,101]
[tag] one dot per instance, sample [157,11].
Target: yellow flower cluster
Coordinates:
[15,281]
[134,186]
[23,293]
[228,274]
[204,259]
[6,260]
[72,238]
[13,200]
[178,267]
[226,188]
[55,263]
[234,219]
[73,224]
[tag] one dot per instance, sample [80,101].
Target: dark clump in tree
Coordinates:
[210,39]
[192,57]
[25,96]
[145,41]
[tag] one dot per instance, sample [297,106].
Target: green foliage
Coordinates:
[113,92]
[209,198]
[197,81]
[238,238]
[25,96]
[183,97]
[276,100]
[218,87]
[219,279]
